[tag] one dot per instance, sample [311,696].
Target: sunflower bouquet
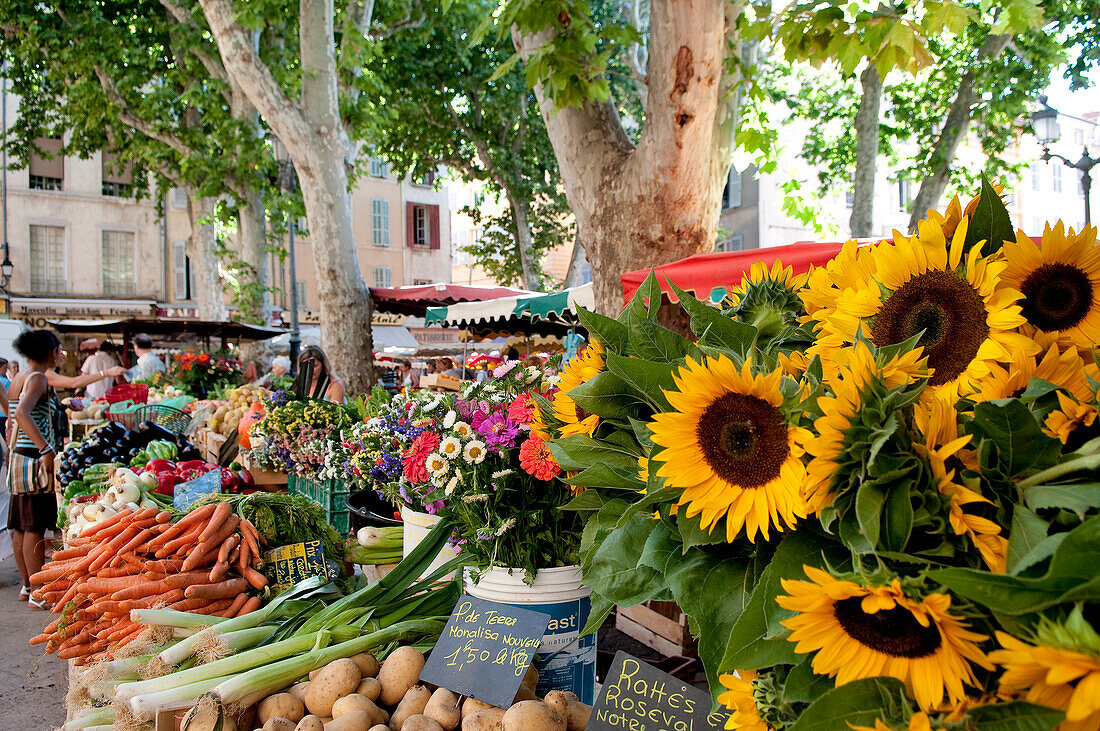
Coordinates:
[872,486]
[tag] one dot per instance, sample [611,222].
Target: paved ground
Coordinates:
[32,687]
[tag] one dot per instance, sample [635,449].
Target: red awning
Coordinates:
[416,299]
[701,274]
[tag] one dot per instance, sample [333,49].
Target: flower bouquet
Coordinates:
[201,374]
[871,486]
[302,437]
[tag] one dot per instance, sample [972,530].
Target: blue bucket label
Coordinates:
[566,661]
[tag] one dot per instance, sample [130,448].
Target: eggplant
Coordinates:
[156,431]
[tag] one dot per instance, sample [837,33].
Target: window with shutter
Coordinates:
[47,169]
[118,178]
[1056,171]
[433,226]
[380,221]
[377,167]
[181,270]
[302,300]
[118,263]
[383,277]
[47,259]
[179,198]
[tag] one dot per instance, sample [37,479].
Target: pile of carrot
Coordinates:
[207,562]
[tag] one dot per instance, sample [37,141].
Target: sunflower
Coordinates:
[1053,676]
[1069,415]
[942,447]
[849,269]
[583,367]
[923,286]
[767,299]
[1062,366]
[841,410]
[729,446]
[950,219]
[779,276]
[574,419]
[919,721]
[867,631]
[1060,281]
[738,698]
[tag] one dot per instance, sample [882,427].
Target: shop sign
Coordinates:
[436,335]
[313,317]
[37,313]
[178,313]
[485,650]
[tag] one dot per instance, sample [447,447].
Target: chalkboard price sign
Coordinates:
[188,493]
[485,650]
[638,697]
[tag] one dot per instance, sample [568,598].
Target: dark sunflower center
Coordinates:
[744,439]
[581,413]
[894,632]
[1056,296]
[947,310]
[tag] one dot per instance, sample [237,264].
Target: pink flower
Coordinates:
[522,409]
[536,459]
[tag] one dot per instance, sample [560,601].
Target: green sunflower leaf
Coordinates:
[858,703]
[580,451]
[1080,497]
[616,573]
[693,534]
[713,328]
[1028,532]
[990,222]
[587,501]
[803,685]
[656,342]
[647,377]
[612,334]
[605,475]
[1015,716]
[1021,445]
[608,396]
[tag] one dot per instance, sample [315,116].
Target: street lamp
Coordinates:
[1045,123]
[288,181]
[7,267]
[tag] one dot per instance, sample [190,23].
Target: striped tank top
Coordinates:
[42,413]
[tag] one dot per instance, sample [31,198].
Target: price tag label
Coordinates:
[285,566]
[188,493]
[638,696]
[485,650]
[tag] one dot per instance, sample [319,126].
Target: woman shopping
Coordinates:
[33,443]
[324,383]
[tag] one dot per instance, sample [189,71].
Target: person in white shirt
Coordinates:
[147,364]
[99,363]
[280,366]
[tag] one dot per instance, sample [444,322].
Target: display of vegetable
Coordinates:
[208,562]
[112,442]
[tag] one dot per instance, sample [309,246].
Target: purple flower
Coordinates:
[498,431]
[504,369]
[433,508]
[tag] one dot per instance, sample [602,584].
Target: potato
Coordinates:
[370,687]
[531,677]
[579,713]
[354,721]
[379,727]
[356,702]
[398,673]
[473,705]
[298,690]
[310,723]
[489,719]
[524,694]
[559,701]
[569,707]
[532,716]
[421,723]
[281,705]
[368,665]
[443,707]
[278,724]
[416,698]
[336,680]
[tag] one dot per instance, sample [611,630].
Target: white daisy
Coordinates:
[449,419]
[451,487]
[501,473]
[450,448]
[437,464]
[474,453]
[463,429]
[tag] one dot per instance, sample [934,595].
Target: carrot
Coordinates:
[259,539]
[67,553]
[108,606]
[248,528]
[215,608]
[183,580]
[52,626]
[236,606]
[164,516]
[234,555]
[141,589]
[222,590]
[102,525]
[127,569]
[219,571]
[198,555]
[39,639]
[167,566]
[217,520]
[228,545]
[165,599]
[253,577]
[112,548]
[250,606]
[174,545]
[183,524]
[110,585]
[73,652]
[60,604]
[190,605]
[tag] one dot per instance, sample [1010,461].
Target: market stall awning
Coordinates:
[415,299]
[558,306]
[711,275]
[161,327]
[384,336]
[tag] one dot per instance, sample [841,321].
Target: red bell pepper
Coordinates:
[166,483]
[159,465]
[192,465]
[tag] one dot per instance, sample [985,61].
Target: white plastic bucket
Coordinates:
[566,661]
[417,526]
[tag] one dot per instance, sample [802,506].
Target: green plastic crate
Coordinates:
[331,495]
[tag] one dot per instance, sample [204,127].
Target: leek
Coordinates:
[258,683]
[227,665]
[90,718]
[145,706]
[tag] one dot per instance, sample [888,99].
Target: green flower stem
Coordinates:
[1088,462]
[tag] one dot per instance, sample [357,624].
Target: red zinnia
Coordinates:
[522,409]
[417,456]
[536,459]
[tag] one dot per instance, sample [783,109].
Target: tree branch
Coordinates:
[127,116]
[413,19]
[211,64]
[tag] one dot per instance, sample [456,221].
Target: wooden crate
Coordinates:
[441,382]
[659,625]
[266,480]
